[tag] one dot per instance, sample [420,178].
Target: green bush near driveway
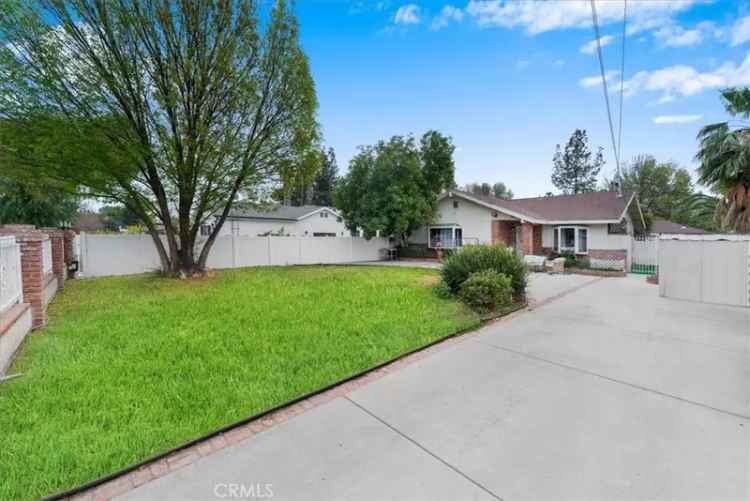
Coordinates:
[473,258]
[133,366]
[487,290]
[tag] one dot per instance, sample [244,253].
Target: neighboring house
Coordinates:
[304,221]
[666,227]
[597,224]
[89,222]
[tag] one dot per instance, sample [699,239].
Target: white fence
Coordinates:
[47,256]
[705,268]
[11,286]
[105,255]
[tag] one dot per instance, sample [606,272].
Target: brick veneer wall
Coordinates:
[57,238]
[612,255]
[502,232]
[32,268]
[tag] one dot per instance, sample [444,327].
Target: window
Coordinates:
[316,234]
[206,229]
[338,220]
[448,237]
[620,228]
[572,239]
[583,235]
[324,214]
[455,204]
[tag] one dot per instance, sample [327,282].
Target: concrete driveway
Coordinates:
[606,391]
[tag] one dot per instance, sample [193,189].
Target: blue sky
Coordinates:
[510,80]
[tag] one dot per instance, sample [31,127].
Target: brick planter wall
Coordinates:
[57,238]
[32,269]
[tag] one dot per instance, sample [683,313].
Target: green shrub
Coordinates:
[486,290]
[573,261]
[473,258]
[442,291]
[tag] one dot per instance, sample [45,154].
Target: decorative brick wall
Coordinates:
[32,269]
[527,239]
[609,255]
[57,237]
[502,232]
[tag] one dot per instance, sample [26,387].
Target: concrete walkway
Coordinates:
[605,392]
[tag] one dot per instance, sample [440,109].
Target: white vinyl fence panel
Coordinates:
[47,256]
[705,268]
[11,285]
[105,255]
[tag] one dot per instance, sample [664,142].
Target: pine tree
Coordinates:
[576,167]
[325,180]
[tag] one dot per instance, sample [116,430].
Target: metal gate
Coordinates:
[644,255]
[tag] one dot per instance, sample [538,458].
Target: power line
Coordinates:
[604,85]
[622,76]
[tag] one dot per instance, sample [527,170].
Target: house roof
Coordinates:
[581,207]
[278,212]
[664,226]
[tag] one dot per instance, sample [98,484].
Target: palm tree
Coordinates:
[725,161]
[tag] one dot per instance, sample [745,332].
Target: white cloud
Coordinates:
[684,80]
[447,14]
[408,14]
[558,63]
[590,47]
[540,16]
[741,31]
[676,36]
[596,80]
[676,119]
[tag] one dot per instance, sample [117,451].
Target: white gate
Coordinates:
[644,255]
[706,268]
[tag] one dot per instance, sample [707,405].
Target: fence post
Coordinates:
[35,282]
[57,239]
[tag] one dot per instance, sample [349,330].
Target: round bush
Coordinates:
[442,291]
[486,290]
[473,258]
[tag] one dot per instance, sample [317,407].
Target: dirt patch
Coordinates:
[430,280]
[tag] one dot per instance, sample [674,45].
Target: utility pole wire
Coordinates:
[622,79]
[604,84]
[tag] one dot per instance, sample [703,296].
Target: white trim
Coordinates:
[452,227]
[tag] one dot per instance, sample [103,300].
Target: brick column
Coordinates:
[57,238]
[32,268]
[527,239]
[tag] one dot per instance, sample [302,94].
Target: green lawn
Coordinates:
[133,366]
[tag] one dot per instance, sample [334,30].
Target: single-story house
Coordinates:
[597,224]
[666,227]
[282,220]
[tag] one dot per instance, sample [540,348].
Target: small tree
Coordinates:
[170,108]
[392,187]
[576,168]
[325,181]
